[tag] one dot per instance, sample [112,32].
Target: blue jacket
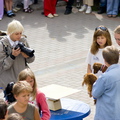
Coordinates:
[107,91]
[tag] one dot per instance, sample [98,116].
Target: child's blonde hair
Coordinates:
[23,75]
[14,27]
[14,116]
[20,87]
[100,31]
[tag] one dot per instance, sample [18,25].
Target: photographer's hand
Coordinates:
[24,55]
[16,52]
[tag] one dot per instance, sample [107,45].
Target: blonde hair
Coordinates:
[14,26]
[14,116]
[20,87]
[23,75]
[117,29]
[100,31]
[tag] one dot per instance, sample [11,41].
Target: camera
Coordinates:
[26,50]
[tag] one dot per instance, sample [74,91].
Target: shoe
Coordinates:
[114,16]
[55,15]
[89,10]
[102,10]
[83,8]
[50,15]
[14,10]
[13,14]
[0,19]
[67,12]
[109,16]
[17,8]
[28,10]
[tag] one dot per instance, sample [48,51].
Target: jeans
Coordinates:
[112,7]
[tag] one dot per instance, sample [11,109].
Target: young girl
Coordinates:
[14,116]
[28,111]
[101,39]
[50,8]
[37,97]
[3,110]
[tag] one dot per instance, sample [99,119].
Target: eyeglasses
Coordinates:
[102,28]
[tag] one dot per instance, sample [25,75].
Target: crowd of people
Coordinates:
[111,7]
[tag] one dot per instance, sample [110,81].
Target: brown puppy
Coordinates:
[89,79]
[99,67]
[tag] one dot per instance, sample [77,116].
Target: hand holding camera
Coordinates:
[28,51]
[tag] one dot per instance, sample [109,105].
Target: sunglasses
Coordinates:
[102,28]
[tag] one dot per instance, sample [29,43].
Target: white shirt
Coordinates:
[13,44]
[91,59]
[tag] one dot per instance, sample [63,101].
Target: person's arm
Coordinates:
[98,87]
[36,114]
[89,69]
[41,101]
[6,61]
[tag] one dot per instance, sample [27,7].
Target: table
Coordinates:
[71,110]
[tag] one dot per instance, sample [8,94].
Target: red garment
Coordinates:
[49,7]
[42,104]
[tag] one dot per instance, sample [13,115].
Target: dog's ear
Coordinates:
[92,78]
[96,67]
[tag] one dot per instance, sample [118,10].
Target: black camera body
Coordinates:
[26,50]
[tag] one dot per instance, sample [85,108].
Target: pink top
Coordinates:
[43,106]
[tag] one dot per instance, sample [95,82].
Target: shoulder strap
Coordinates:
[5,48]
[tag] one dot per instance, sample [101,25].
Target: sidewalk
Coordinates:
[61,45]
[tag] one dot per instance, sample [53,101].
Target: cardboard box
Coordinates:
[54,104]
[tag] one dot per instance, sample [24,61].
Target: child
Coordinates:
[3,109]
[86,6]
[37,97]
[12,60]
[101,39]
[50,8]
[14,116]
[28,111]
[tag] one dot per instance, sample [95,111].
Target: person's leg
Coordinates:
[53,8]
[69,7]
[110,7]
[48,8]
[1,9]
[115,8]
[89,4]
[103,4]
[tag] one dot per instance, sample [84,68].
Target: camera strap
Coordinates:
[5,48]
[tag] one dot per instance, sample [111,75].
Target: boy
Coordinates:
[28,111]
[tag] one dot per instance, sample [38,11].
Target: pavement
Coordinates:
[61,45]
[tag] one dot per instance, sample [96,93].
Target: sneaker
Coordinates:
[50,15]
[55,15]
[17,8]
[89,10]
[83,8]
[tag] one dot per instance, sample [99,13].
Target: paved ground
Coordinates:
[61,45]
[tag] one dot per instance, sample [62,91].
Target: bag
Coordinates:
[8,93]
